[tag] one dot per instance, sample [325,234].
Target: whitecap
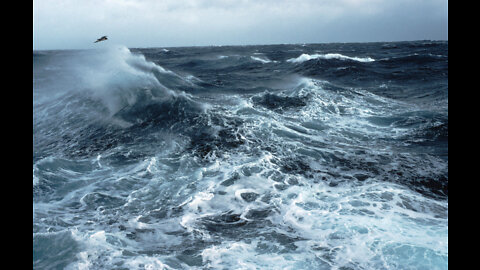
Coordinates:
[305,57]
[263,60]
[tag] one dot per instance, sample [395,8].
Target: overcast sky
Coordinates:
[75,24]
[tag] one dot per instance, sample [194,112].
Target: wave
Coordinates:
[118,77]
[415,58]
[120,95]
[263,60]
[306,57]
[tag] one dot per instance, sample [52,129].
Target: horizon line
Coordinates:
[267,44]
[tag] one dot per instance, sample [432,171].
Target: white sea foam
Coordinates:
[241,255]
[371,216]
[305,57]
[345,112]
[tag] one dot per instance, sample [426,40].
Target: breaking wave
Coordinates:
[306,57]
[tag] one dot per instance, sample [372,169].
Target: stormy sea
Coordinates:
[291,156]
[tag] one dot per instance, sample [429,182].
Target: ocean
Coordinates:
[289,156]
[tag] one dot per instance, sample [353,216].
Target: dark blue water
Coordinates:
[306,156]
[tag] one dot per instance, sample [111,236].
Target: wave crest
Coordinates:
[306,57]
[117,77]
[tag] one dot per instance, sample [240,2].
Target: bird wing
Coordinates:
[101,39]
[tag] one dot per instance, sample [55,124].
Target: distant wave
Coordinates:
[415,58]
[263,60]
[305,57]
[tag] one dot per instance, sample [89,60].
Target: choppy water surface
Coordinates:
[308,156]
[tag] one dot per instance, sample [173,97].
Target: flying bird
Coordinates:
[101,39]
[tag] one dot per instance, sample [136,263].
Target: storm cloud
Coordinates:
[75,24]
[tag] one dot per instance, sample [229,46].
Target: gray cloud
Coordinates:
[75,24]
